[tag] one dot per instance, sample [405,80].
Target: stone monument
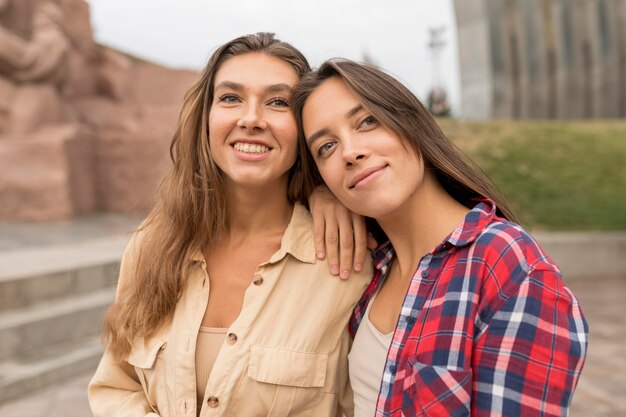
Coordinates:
[83,127]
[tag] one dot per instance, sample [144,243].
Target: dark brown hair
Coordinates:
[190,212]
[396,108]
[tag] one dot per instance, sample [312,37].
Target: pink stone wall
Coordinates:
[48,175]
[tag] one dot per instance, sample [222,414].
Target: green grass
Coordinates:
[557,175]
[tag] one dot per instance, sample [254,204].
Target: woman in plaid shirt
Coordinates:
[466,314]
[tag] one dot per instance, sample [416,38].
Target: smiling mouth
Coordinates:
[364,175]
[251,148]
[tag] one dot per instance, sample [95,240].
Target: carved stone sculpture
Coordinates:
[41,57]
[82,127]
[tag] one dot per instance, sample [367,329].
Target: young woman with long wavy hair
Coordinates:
[222,306]
[466,314]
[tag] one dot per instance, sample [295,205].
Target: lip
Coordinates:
[250,157]
[361,179]
[249,141]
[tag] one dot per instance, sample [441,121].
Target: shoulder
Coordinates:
[131,258]
[316,274]
[505,241]
[148,231]
[301,266]
[510,254]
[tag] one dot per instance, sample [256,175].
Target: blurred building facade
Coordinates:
[542,59]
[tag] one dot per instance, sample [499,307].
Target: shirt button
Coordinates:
[424,274]
[232,338]
[258,279]
[410,319]
[213,402]
[392,369]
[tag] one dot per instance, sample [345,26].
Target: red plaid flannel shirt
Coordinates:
[487,327]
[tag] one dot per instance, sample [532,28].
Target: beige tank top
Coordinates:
[210,340]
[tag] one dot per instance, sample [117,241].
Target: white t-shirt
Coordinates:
[367,362]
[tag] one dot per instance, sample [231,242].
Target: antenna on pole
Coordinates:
[437,101]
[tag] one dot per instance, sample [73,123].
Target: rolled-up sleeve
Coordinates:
[115,391]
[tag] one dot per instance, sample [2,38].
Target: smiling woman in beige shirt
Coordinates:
[222,307]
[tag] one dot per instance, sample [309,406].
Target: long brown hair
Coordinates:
[190,212]
[396,108]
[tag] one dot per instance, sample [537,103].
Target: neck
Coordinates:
[255,210]
[421,223]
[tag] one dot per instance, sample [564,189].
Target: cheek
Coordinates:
[219,123]
[286,133]
[215,128]
[214,145]
[332,176]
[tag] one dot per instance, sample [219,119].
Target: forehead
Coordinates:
[332,93]
[331,100]
[256,68]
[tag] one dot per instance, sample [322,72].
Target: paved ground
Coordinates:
[600,391]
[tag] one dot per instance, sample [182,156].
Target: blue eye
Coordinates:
[229,99]
[279,102]
[325,148]
[368,121]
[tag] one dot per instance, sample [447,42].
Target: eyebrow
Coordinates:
[315,136]
[280,87]
[230,85]
[274,88]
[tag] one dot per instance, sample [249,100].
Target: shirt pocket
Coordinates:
[149,363]
[280,382]
[438,390]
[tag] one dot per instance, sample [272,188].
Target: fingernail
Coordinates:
[344,274]
[320,254]
[334,269]
[357,267]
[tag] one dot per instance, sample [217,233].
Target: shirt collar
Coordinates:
[483,213]
[465,233]
[297,240]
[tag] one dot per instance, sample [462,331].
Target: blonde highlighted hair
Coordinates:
[190,213]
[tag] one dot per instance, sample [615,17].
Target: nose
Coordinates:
[353,152]
[252,118]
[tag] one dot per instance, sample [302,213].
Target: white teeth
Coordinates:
[250,148]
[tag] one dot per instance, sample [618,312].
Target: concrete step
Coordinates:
[29,290]
[586,255]
[52,302]
[29,329]
[29,276]
[68,359]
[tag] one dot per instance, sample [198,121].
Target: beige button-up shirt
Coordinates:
[285,355]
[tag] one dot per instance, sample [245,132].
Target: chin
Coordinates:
[375,209]
[247,179]
[364,209]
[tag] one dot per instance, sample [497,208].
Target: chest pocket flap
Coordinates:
[286,367]
[144,354]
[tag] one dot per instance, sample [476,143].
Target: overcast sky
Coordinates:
[393,33]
